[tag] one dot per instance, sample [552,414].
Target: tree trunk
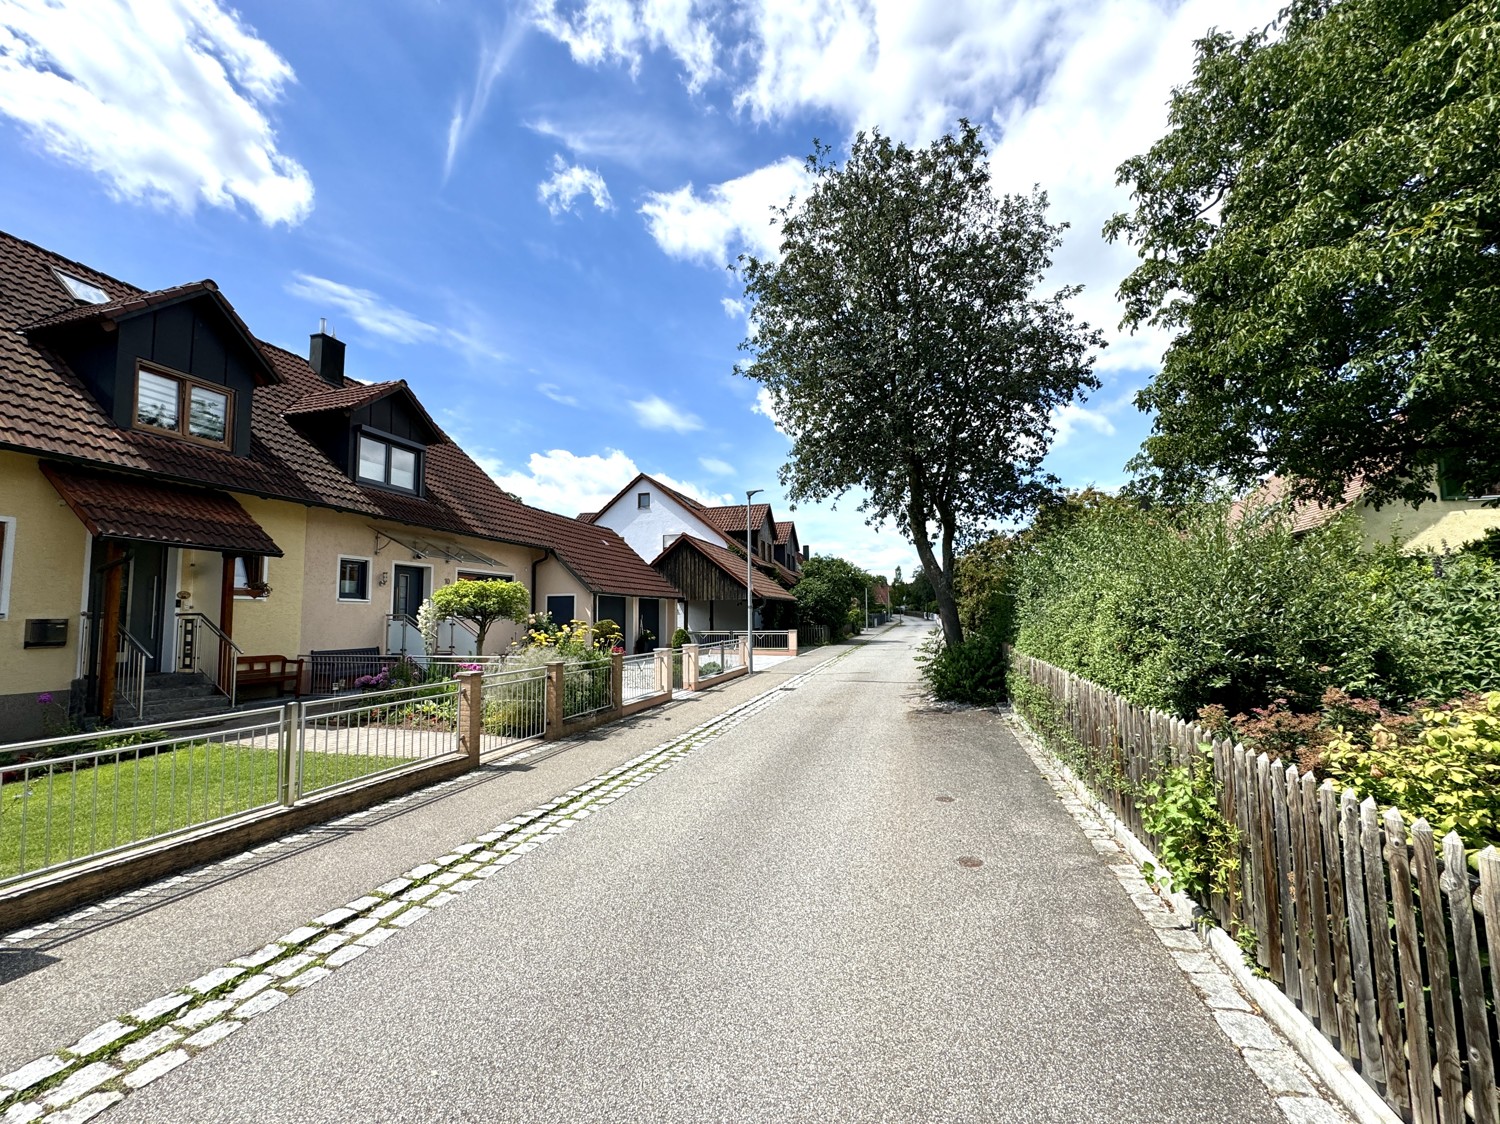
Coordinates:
[942,589]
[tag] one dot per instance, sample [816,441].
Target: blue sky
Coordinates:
[526,209]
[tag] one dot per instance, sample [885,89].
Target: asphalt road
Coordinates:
[778,928]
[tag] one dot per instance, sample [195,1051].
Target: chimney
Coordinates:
[326,355]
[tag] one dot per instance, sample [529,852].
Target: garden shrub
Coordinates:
[970,672]
[680,637]
[1448,773]
[1197,845]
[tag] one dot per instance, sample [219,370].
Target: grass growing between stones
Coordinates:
[72,813]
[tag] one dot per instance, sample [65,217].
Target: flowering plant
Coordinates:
[374,682]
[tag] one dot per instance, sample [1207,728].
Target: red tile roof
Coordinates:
[1305,514]
[46,411]
[118,507]
[731,563]
[730,519]
[784,532]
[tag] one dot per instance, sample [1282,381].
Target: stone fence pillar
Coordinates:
[554,701]
[664,670]
[690,667]
[616,680]
[470,713]
[791,641]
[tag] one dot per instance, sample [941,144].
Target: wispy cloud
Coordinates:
[166,103]
[554,392]
[716,466]
[381,318]
[600,31]
[733,309]
[728,217]
[654,413]
[567,182]
[640,141]
[494,56]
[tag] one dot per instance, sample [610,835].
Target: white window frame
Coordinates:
[7,562]
[338,593]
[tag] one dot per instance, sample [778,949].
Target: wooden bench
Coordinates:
[269,671]
[336,669]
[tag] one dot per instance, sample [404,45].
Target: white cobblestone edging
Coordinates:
[127,1053]
[1300,1068]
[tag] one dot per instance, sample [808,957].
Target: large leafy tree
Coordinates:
[905,347]
[826,588]
[1321,227]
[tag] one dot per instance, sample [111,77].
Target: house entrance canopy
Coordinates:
[121,507]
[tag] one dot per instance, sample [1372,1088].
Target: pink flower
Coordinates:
[44,699]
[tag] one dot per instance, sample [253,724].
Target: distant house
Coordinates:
[174,493]
[653,517]
[1439,525]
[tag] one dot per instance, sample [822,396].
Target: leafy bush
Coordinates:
[1191,611]
[1447,613]
[710,668]
[1193,839]
[680,637]
[970,672]
[1450,773]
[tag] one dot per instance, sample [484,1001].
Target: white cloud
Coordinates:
[654,413]
[598,31]
[493,59]
[166,102]
[380,318]
[554,392]
[1067,420]
[559,480]
[728,217]
[734,309]
[567,182]
[716,466]
[765,406]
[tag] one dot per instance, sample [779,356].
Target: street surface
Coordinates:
[848,907]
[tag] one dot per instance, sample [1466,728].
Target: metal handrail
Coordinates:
[135,656]
[223,639]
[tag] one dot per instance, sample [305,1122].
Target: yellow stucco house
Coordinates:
[175,494]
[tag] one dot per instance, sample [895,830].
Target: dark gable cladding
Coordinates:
[47,411]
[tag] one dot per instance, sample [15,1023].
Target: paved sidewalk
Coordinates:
[59,984]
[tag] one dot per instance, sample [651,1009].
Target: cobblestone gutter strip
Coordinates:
[77,1083]
[1250,1011]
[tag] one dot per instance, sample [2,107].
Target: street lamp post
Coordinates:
[749,590]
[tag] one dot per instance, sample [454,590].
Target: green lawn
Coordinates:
[74,814]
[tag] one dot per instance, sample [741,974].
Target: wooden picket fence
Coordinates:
[1374,928]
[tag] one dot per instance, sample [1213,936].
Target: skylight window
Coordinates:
[82,290]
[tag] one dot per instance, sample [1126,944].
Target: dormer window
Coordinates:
[389,463]
[184,407]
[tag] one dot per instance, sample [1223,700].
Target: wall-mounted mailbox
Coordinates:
[42,633]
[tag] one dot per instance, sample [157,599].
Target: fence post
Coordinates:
[616,680]
[791,641]
[470,714]
[745,653]
[554,701]
[664,670]
[291,759]
[690,667]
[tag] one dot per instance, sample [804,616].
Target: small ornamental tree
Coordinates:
[482,603]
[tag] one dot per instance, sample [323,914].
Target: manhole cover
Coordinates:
[969,861]
[945,800]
